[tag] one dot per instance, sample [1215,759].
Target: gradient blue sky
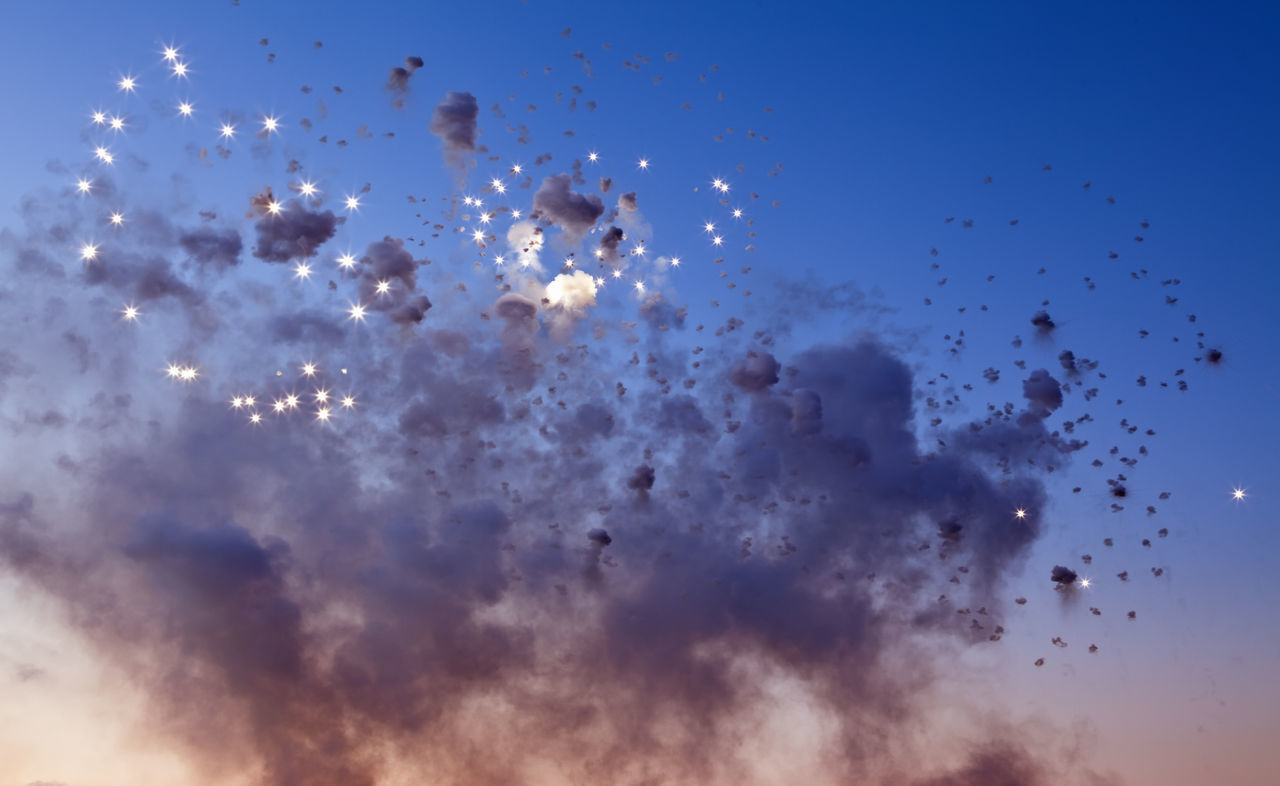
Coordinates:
[886,117]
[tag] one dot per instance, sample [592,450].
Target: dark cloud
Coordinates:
[757,372]
[610,239]
[1063,576]
[225,555]
[410,312]
[309,327]
[556,202]
[398,79]
[217,248]
[454,121]
[1043,391]
[294,233]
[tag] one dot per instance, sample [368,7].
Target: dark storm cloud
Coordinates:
[294,233]
[1043,322]
[468,559]
[217,248]
[504,566]
[454,121]
[556,202]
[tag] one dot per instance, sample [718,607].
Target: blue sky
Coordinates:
[885,120]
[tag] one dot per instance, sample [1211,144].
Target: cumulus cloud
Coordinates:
[556,202]
[293,233]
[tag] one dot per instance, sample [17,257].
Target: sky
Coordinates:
[883,427]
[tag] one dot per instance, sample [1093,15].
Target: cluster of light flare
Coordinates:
[357,312]
[720,185]
[182,373]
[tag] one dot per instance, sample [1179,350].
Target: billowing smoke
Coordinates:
[398,79]
[293,233]
[454,121]
[559,204]
[497,541]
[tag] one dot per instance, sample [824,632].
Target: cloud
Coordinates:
[217,248]
[454,121]
[757,372]
[559,204]
[398,79]
[294,233]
